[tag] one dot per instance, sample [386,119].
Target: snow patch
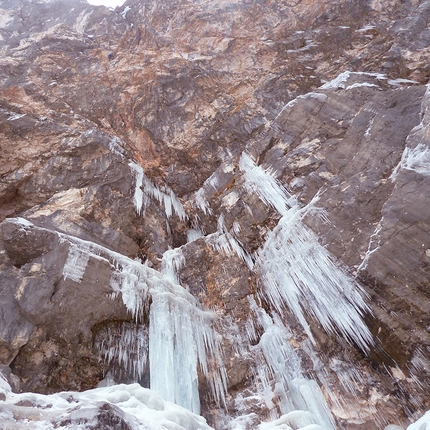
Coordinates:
[340,81]
[141,409]
[415,159]
[124,12]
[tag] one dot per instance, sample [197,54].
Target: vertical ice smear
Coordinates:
[295,394]
[218,181]
[173,355]
[145,189]
[173,260]
[297,272]
[140,200]
[181,339]
[76,263]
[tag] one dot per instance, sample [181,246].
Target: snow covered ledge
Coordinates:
[127,407]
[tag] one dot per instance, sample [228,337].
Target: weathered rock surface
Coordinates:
[330,97]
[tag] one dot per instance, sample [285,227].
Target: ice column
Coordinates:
[181,338]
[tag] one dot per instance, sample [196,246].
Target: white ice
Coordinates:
[76,263]
[181,336]
[340,80]
[300,274]
[422,424]
[128,346]
[227,244]
[144,189]
[282,370]
[181,339]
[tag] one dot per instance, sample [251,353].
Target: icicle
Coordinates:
[293,391]
[181,335]
[140,200]
[225,242]
[297,272]
[145,188]
[127,345]
[270,191]
[201,202]
[130,278]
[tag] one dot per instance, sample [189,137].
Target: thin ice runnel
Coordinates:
[283,368]
[297,272]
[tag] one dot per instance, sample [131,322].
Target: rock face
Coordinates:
[215,133]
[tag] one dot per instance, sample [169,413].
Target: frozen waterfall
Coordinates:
[181,337]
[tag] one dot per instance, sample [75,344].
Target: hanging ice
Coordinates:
[283,368]
[268,188]
[181,335]
[297,272]
[173,260]
[223,241]
[145,189]
[226,243]
[127,345]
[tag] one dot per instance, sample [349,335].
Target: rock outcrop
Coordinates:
[230,147]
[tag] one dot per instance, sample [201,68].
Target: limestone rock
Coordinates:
[138,154]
